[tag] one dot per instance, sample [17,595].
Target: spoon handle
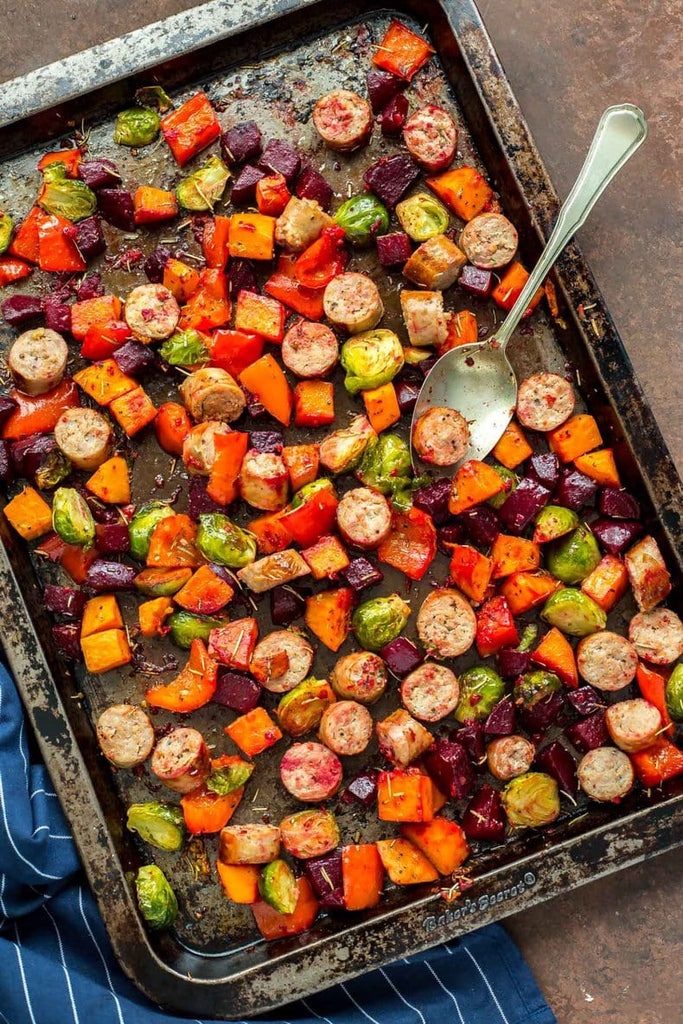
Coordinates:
[620,132]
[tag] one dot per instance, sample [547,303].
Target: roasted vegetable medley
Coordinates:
[298,507]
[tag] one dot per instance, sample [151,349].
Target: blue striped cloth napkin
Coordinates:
[57,966]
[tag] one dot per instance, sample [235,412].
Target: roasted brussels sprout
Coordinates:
[362,218]
[371,359]
[229,778]
[219,540]
[161,825]
[54,469]
[535,686]
[480,689]
[141,526]
[153,96]
[161,582]
[203,189]
[509,476]
[310,833]
[72,519]
[573,612]
[422,216]
[187,626]
[573,557]
[379,621]
[554,521]
[308,490]
[185,348]
[531,800]
[413,355]
[136,127]
[387,468]
[301,709]
[528,640]
[156,899]
[6,228]
[674,694]
[342,449]
[66,197]
[278,887]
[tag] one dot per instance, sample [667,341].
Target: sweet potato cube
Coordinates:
[576,437]
[313,403]
[328,616]
[441,840]
[29,514]
[100,613]
[252,236]
[514,554]
[463,190]
[205,593]
[110,482]
[182,281]
[404,863]
[105,651]
[101,310]
[513,447]
[381,405]
[608,582]
[474,483]
[259,314]
[271,536]
[404,795]
[327,557]
[471,571]
[254,732]
[525,590]
[152,615]
[557,655]
[362,876]
[600,466]
[133,411]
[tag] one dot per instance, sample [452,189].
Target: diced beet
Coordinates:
[406,395]
[64,600]
[575,490]
[134,358]
[476,281]
[502,720]
[116,206]
[20,309]
[401,656]
[512,663]
[362,789]
[589,733]
[393,250]
[425,365]
[155,264]
[57,314]
[266,441]
[241,277]
[394,115]
[545,467]
[244,187]
[236,691]
[90,287]
[540,716]
[615,535]
[101,513]
[390,176]
[280,158]
[113,538]
[100,173]
[89,237]
[481,524]
[241,142]
[104,575]
[311,185]
[382,87]
[7,407]
[433,499]
[286,605]
[199,501]
[67,637]
[29,454]
[523,505]
[255,409]
[6,467]
[360,574]
[470,735]
[618,504]
[485,818]
[447,536]
[557,762]
[450,768]
[586,700]
[325,875]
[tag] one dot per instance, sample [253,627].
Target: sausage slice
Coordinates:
[360,676]
[489,241]
[181,760]
[633,724]
[352,301]
[125,735]
[441,436]
[606,660]
[648,574]
[282,660]
[446,623]
[364,518]
[151,312]
[264,481]
[605,774]
[343,120]
[310,350]
[430,692]
[84,436]
[309,833]
[249,844]
[431,137]
[311,772]
[509,756]
[37,360]
[402,739]
[544,401]
[657,635]
[346,727]
[300,223]
[213,394]
[273,570]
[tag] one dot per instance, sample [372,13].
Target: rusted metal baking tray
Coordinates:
[270,61]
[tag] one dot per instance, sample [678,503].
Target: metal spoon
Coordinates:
[477,379]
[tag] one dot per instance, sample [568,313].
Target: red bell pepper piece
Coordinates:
[272,194]
[13,269]
[51,548]
[283,285]
[230,451]
[313,519]
[233,644]
[191,128]
[25,241]
[103,339]
[172,425]
[324,259]
[273,925]
[70,158]
[411,545]
[206,812]
[658,763]
[39,414]
[557,655]
[215,242]
[192,688]
[401,51]
[235,350]
[652,686]
[313,403]
[495,627]
[56,252]
[153,204]
[76,561]
[210,305]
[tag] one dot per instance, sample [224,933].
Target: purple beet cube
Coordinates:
[382,87]
[29,454]
[57,314]
[101,173]
[6,467]
[556,761]
[280,158]
[311,185]
[64,601]
[21,309]
[402,656]
[90,287]
[7,407]
[589,733]
[615,535]
[502,719]
[244,187]
[236,691]
[266,441]
[433,499]
[406,395]
[113,538]
[116,206]
[522,506]
[575,490]
[425,365]
[390,176]
[470,735]
[361,574]
[362,789]
[618,504]
[241,142]
[88,236]
[104,575]
[255,410]
[67,637]
[393,250]
[450,768]
[394,116]
[481,524]
[476,281]
[586,700]
[447,536]
[134,358]
[199,501]
[286,605]
[325,875]
[155,264]
[512,663]
[538,717]
[484,818]
[241,277]
[545,467]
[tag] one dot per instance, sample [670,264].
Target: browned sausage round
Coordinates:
[199,447]
[430,692]
[364,518]
[181,760]
[311,772]
[274,570]
[606,660]
[282,660]
[309,833]
[212,394]
[657,636]
[151,312]
[352,301]
[544,401]
[249,844]
[84,436]
[343,120]
[125,735]
[360,676]
[264,481]
[301,222]
[401,738]
[446,623]
[509,756]
[37,360]
[431,137]
[346,727]
[633,724]
[310,350]
[489,241]
[441,436]
[647,573]
[605,774]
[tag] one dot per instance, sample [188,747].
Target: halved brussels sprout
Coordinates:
[300,710]
[386,467]
[379,621]
[674,694]
[362,218]
[153,96]
[573,612]
[310,833]
[306,492]
[66,197]
[219,540]
[54,469]
[535,686]
[203,189]
[161,825]
[136,127]
[371,359]
[6,228]
[72,519]
[480,689]
[342,449]
[187,626]
[227,779]
[185,348]
[554,521]
[156,899]
[413,355]
[509,476]
[528,637]
[531,800]
[141,526]
[161,582]
[573,557]
[422,216]
[278,886]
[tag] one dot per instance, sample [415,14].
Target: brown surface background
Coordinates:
[608,953]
